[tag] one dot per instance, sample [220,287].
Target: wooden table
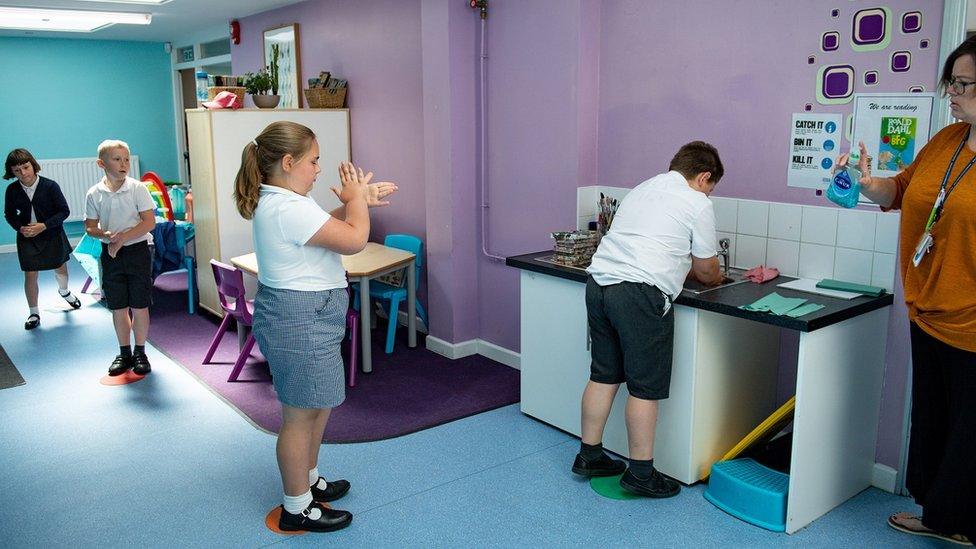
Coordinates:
[375,260]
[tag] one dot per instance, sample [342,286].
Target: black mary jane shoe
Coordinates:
[330,521]
[33,321]
[120,365]
[75,302]
[334,490]
[140,364]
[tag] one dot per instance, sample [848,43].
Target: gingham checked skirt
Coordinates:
[299,333]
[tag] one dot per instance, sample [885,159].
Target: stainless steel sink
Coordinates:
[732,277]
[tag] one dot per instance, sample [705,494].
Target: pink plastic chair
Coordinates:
[352,325]
[230,284]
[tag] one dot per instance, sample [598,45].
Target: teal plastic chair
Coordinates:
[389,296]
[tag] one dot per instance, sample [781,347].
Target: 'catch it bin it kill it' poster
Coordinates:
[896,143]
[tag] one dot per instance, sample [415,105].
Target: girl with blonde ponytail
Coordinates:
[300,307]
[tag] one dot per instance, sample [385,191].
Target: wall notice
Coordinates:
[814,143]
[893,127]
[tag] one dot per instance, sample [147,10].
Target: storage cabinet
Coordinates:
[216,141]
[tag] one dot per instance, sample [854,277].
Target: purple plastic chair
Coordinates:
[230,285]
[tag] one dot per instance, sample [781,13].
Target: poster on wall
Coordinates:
[814,142]
[893,127]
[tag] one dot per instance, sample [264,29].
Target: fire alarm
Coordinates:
[235,32]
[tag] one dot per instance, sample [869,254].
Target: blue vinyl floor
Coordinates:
[166,463]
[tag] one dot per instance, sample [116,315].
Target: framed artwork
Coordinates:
[289,63]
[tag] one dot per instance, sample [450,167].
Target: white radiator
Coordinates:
[75,176]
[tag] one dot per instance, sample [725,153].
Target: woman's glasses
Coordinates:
[958,87]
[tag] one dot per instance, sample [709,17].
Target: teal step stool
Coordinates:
[750,491]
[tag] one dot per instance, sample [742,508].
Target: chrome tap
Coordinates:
[723,252]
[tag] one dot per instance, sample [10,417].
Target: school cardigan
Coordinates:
[49,204]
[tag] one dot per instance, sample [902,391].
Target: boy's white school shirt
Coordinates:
[119,210]
[657,228]
[283,222]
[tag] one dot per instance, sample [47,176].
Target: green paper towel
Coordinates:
[775,304]
[830,284]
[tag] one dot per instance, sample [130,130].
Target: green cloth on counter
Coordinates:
[805,310]
[774,303]
[830,284]
[778,305]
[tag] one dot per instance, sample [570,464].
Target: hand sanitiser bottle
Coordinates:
[845,188]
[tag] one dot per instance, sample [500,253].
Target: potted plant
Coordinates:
[265,80]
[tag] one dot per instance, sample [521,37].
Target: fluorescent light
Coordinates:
[67,20]
[150,2]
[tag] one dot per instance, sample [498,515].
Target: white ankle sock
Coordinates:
[296,504]
[315,479]
[66,294]
[62,281]
[35,311]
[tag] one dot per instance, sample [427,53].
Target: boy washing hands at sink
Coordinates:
[662,230]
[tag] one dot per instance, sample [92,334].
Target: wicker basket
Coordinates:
[212,92]
[324,98]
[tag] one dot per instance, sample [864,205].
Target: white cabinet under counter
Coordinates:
[723,382]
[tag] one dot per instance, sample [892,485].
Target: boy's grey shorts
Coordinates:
[632,333]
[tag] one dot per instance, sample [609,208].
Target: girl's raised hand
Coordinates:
[355,184]
[376,192]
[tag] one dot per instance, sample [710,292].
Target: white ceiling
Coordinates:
[171,22]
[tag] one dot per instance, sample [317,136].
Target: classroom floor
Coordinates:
[164,462]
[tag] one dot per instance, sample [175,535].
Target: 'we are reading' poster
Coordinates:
[893,127]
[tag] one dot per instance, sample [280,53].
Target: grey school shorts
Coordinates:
[299,332]
[632,334]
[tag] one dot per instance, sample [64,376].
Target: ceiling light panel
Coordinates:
[66,20]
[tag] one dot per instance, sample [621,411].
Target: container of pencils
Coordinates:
[606,209]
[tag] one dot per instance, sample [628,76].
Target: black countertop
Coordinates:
[727,300]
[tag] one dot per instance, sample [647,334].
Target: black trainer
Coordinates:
[120,365]
[33,321]
[604,466]
[334,490]
[331,520]
[657,486]
[140,364]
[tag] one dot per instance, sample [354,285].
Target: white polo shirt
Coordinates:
[656,230]
[119,210]
[283,222]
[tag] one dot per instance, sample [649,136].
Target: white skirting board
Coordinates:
[455,351]
[884,478]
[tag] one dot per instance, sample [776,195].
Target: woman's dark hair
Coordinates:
[697,157]
[261,157]
[18,157]
[968,47]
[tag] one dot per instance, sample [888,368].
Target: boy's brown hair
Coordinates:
[697,157]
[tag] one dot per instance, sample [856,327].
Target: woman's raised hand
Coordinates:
[863,164]
[355,184]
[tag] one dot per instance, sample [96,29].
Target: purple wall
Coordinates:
[580,92]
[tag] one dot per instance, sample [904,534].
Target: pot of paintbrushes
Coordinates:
[606,209]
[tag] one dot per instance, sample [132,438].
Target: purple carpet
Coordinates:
[409,390]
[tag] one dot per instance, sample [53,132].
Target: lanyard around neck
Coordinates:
[943,195]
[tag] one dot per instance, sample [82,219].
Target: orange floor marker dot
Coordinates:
[123,379]
[271,521]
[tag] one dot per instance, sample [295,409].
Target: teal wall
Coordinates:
[61,98]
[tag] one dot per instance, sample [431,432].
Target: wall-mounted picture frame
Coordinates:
[289,63]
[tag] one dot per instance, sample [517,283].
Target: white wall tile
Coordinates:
[753,218]
[816,261]
[886,237]
[613,192]
[583,223]
[732,237]
[783,255]
[883,271]
[725,214]
[784,221]
[819,226]
[749,251]
[586,199]
[853,265]
[856,229]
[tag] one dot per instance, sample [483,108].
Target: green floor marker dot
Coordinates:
[609,487]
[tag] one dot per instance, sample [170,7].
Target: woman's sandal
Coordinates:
[904,522]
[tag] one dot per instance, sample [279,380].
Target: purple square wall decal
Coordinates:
[870,78]
[869,26]
[916,89]
[835,13]
[811,60]
[923,43]
[911,22]
[808,107]
[830,41]
[901,61]
[838,81]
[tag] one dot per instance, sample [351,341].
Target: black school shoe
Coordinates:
[33,321]
[140,364]
[75,304]
[120,365]
[604,466]
[657,486]
[330,521]
[334,490]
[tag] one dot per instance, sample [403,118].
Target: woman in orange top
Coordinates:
[937,198]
